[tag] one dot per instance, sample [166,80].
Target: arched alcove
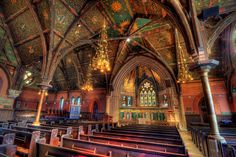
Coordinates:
[167,81]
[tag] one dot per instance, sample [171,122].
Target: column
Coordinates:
[108,103]
[210,104]
[183,123]
[203,68]
[44,89]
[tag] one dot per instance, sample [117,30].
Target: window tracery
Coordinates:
[147,94]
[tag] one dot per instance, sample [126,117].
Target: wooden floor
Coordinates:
[190,146]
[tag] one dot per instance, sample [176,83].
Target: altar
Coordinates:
[146,115]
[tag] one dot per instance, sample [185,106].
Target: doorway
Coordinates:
[203,111]
[95,111]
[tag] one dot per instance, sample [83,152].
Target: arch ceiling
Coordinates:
[36,37]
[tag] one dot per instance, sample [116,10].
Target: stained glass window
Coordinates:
[72,100]
[126,101]
[61,103]
[147,94]
[78,101]
[123,100]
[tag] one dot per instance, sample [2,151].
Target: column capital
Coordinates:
[204,65]
[44,85]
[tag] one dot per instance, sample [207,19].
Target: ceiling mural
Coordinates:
[224,5]
[8,55]
[145,22]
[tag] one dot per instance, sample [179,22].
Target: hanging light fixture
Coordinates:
[101,60]
[88,84]
[183,71]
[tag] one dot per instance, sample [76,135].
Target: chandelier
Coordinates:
[183,70]
[100,60]
[88,84]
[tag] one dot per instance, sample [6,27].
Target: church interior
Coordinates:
[118,78]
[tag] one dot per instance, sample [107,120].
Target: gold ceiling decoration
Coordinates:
[183,70]
[101,60]
[88,84]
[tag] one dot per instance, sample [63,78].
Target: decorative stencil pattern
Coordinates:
[12,6]
[23,26]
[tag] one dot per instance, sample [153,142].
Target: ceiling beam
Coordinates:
[86,26]
[64,71]
[72,10]
[13,16]
[41,33]
[82,70]
[51,37]
[62,37]
[30,38]
[8,33]
[77,69]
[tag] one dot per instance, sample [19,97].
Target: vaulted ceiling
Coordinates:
[35,27]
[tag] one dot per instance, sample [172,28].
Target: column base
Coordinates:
[183,129]
[217,137]
[36,124]
[214,145]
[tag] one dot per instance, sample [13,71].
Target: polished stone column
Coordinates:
[182,111]
[44,89]
[203,69]
[108,103]
[210,104]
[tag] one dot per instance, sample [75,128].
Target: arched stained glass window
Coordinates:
[72,100]
[61,103]
[78,101]
[147,94]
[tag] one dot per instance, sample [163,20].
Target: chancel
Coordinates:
[118,78]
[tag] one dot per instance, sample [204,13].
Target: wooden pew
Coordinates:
[61,130]
[148,129]
[137,144]
[116,151]
[172,136]
[228,150]
[22,138]
[44,133]
[8,150]
[76,129]
[45,150]
[139,137]
[200,135]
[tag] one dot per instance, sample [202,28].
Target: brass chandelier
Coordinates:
[183,70]
[101,60]
[88,84]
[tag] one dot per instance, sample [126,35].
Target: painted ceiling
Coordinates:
[146,23]
[234,53]
[136,77]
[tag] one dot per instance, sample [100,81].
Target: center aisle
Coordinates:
[190,146]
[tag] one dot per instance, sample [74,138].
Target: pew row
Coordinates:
[116,150]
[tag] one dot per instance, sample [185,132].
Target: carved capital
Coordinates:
[13,93]
[45,85]
[204,66]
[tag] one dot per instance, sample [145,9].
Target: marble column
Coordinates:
[183,125]
[44,88]
[203,69]
[108,103]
